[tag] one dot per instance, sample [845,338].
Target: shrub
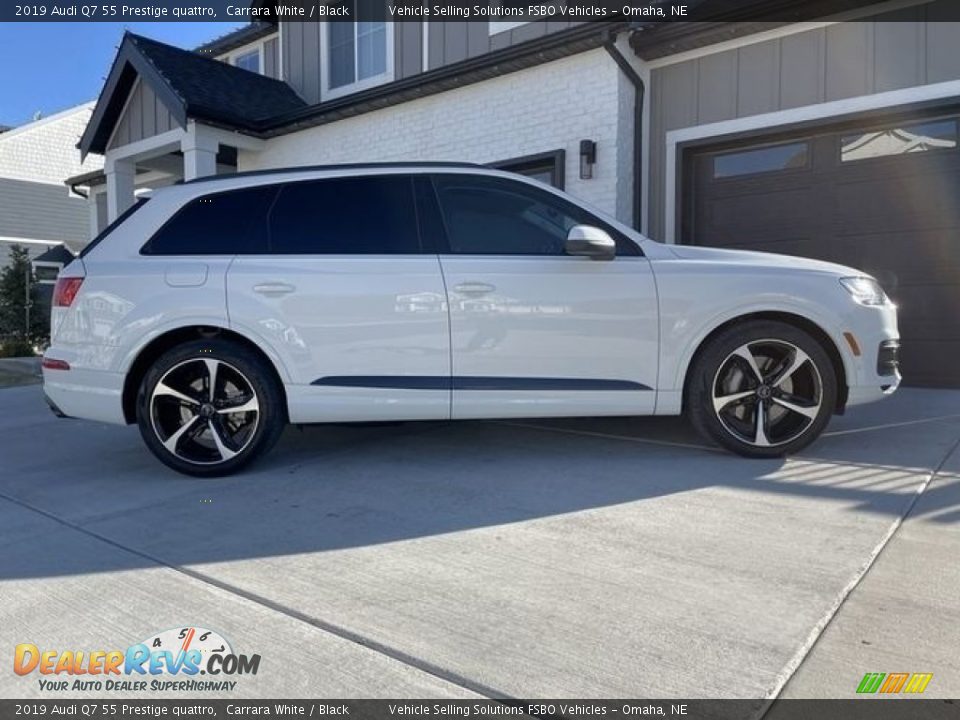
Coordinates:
[14,279]
[16,347]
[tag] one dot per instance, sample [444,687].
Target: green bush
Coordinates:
[17,283]
[17,347]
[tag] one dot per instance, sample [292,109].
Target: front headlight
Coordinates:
[865,290]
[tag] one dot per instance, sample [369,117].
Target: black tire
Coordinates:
[725,397]
[196,434]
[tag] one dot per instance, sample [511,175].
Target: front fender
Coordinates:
[696,298]
[677,352]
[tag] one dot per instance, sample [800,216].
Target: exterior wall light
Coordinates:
[588,157]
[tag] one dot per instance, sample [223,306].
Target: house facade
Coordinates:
[36,210]
[834,138]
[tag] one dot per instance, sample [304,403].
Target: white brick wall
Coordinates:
[545,108]
[45,150]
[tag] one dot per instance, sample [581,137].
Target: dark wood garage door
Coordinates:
[881,198]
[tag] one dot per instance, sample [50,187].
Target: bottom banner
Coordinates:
[859,709]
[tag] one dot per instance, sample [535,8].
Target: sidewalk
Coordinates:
[19,371]
[904,616]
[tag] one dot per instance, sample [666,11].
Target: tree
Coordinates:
[13,300]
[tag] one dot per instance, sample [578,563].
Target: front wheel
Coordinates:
[209,407]
[762,389]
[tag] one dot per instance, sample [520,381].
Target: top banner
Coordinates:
[504,11]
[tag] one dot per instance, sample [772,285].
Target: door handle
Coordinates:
[273,288]
[474,288]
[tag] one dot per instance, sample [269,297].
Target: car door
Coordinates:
[536,332]
[346,296]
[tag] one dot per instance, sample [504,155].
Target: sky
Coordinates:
[51,66]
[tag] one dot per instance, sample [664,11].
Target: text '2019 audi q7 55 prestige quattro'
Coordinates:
[216,311]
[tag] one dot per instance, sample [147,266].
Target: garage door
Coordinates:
[881,198]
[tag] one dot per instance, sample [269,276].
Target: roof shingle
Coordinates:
[213,90]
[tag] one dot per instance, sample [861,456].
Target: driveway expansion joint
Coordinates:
[820,628]
[343,633]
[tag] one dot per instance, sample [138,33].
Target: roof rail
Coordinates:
[342,166]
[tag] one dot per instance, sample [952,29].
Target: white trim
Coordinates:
[785,31]
[260,46]
[146,148]
[227,137]
[280,69]
[766,121]
[326,93]
[498,26]
[142,180]
[425,52]
[93,213]
[29,241]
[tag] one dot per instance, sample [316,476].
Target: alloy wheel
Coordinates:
[767,393]
[204,411]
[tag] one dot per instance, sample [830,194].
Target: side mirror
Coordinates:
[590,242]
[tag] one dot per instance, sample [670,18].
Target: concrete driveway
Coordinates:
[575,558]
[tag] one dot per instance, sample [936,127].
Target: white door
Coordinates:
[348,301]
[535,332]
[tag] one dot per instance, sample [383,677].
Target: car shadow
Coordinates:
[328,488]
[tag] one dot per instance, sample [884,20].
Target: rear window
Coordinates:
[225,223]
[113,226]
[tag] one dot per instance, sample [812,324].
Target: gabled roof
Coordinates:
[56,254]
[220,94]
[189,85]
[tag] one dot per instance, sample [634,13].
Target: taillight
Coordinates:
[66,290]
[54,364]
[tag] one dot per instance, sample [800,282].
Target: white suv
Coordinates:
[217,311]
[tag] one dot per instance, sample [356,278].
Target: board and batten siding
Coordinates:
[830,63]
[143,116]
[453,41]
[271,58]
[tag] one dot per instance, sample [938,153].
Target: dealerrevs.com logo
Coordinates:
[171,660]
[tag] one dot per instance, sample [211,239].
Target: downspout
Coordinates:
[609,44]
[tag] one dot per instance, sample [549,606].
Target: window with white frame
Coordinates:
[499,26]
[357,54]
[506,10]
[248,60]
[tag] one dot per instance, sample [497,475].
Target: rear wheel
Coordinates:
[762,389]
[209,407]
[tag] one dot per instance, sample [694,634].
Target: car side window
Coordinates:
[224,223]
[493,216]
[350,216]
